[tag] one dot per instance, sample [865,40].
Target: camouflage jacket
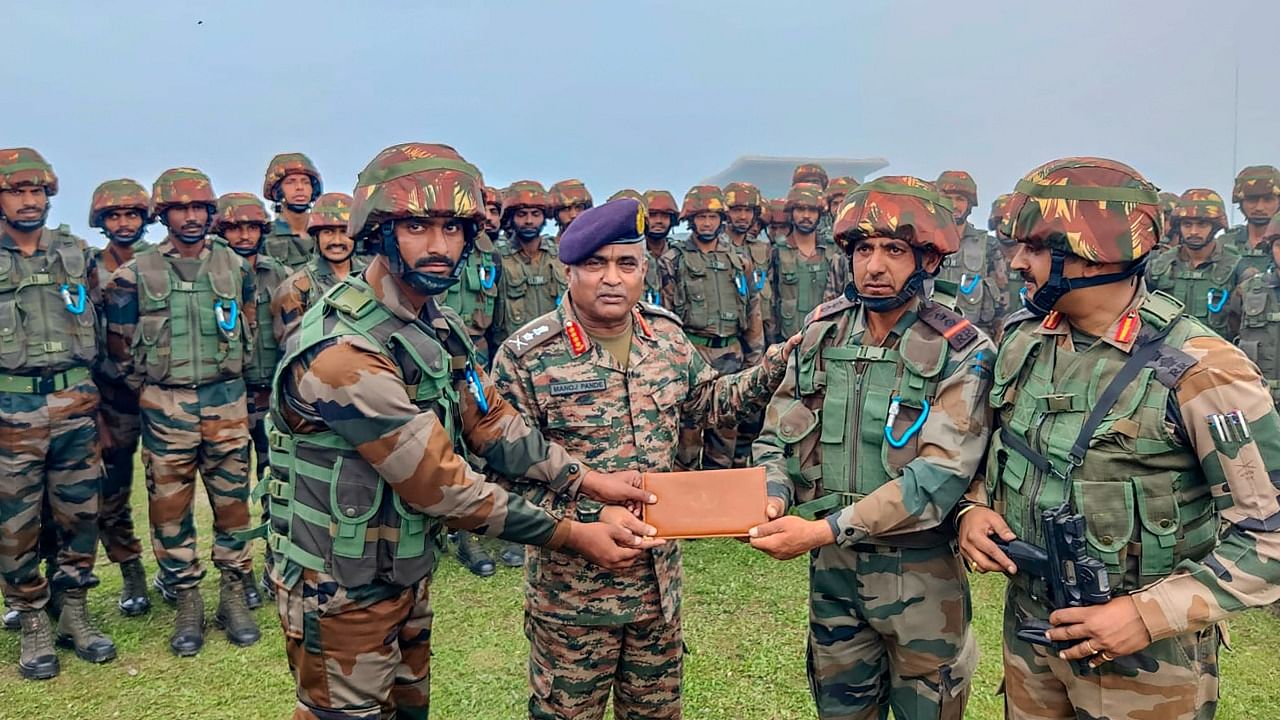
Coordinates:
[291,250]
[300,291]
[706,303]
[1257,304]
[760,252]
[108,260]
[1203,290]
[616,419]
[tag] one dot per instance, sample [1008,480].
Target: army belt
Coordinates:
[711,342]
[43,385]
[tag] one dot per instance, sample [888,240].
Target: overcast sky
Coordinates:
[638,94]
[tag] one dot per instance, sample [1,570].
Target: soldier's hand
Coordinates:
[980,552]
[790,536]
[609,546]
[625,519]
[792,343]
[773,508]
[1100,632]
[616,488]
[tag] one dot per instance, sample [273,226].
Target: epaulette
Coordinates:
[1018,316]
[1170,364]
[829,308]
[534,334]
[649,309]
[953,326]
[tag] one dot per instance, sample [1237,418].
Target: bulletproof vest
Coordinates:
[330,509]
[292,251]
[1145,501]
[268,274]
[106,369]
[759,252]
[474,296]
[967,268]
[1260,326]
[319,278]
[716,289]
[1203,292]
[532,290]
[190,331]
[1256,258]
[802,282]
[40,328]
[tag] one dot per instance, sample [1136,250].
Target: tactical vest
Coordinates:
[268,274]
[531,290]
[1257,258]
[190,333]
[1145,501]
[759,253]
[968,268]
[475,295]
[40,330]
[330,510]
[106,369]
[802,283]
[292,251]
[652,281]
[1203,292]
[1260,327]
[716,289]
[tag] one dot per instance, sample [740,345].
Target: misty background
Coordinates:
[641,94]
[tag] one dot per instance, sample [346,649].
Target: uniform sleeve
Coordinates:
[359,394]
[286,310]
[668,274]
[771,451]
[722,400]
[1243,571]
[953,441]
[120,303]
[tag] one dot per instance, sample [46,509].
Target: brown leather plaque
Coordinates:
[706,503]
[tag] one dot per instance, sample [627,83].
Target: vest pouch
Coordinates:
[13,345]
[1109,509]
[8,279]
[153,346]
[1254,305]
[355,495]
[1007,473]
[1158,513]
[795,423]
[415,548]
[694,273]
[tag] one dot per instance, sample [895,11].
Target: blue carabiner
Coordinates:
[651,297]
[740,281]
[559,299]
[915,426]
[1022,296]
[757,279]
[969,284]
[477,392]
[224,324]
[488,276]
[75,307]
[1216,307]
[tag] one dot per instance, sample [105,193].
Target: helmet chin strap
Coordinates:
[913,287]
[425,283]
[126,240]
[298,208]
[29,225]
[1043,300]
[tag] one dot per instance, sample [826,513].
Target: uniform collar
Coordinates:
[1121,334]
[169,248]
[580,343]
[1214,256]
[899,329]
[42,242]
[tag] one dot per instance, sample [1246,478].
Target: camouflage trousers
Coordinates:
[48,455]
[354,658]
[259,402]
[119,427]
[185,430]
[1173,679]
[573,668]
[889,628]
[711,448]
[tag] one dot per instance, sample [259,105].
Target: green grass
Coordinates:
[744,625]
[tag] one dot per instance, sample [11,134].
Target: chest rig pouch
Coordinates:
[268,275]
[716,291]
[46,318]
[1203,292]
[1260,327]
[801,285]
[532,289]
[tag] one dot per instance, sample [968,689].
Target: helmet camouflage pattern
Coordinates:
[743,194]
[569,192]
[1202,204]
[958,182]
[628,193]
[1098,209]
[415,180]
[290,164]
[181,186]
[810,173]
[492,197]
[776,211]
[24,166]
[331,210]
[240,207]
[887,205]
[1256,180]
[122,194]
[805,195]
[525,194]
[660,201]
[999,212]
[702,198]
[840,186]
[1168,201]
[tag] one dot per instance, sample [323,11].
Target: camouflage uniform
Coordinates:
[1006,246]
[527,287]
[1204,288]
[710,291]
[475,299]
[657,201]
[817,175]
[1257,304]
[306,286]
[755,249]
[1154,484]
[571,193]
[799,282]
[365,465]
[882,440]
[591,630]
[1251,181]
[976,269]
[282,243]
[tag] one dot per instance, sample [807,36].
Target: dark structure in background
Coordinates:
[773,174]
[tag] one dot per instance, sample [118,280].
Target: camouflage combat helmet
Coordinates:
[743,194]
[1272,231]
[181,186]
[415,180]
[235,208]
[886,206]
[569,192]
[837,189]
[122,194]
[810,173]
[999,213]
[1168,201]
[24,166]
[524,194]
[1202,204]
[960,183]
[661,201]
[288,164]
[804,195]
[1256,180]
[628,193]
[492,197]
[702,198]
[777,211]
[332,210]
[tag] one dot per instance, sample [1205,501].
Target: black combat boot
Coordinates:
[38,661]
[472,555]
[252,599]
[512,555]
[233,616]
[134,599]
[11,620]
[169,596]
[75,631]
[188,624]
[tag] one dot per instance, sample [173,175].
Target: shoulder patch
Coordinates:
[829,308]
[1170,364]
[660,311]
[534,334]
[950,324]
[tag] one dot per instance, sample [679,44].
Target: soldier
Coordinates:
[1151,431]
[1257,193]
[599,361]
[803,271]
[817,175]
[531,279]
[293,184]
[706,283]
[777,222]
[569,199]
[661,214]
[1168,201]
[1198,270]
[975,269]
[181,323]
[889,603]
[333,260]
[1257,304]
[492,215]
[1013,285]
[746,206]
[628,193]
[48,436]
[835,194]
[119,210]
[372,405]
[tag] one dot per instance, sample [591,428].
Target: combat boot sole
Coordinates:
[238,642]
[101,655]
[39,671]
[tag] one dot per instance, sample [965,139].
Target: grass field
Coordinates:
[744,625]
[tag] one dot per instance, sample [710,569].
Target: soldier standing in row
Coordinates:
[661,214]
[333,259]
[493,217]
[746,206]
[1257,304]
[531,279]
[1013,282]
[777,224]
[292,184]
[889,607]
[1257,193]
[569,199]
[1199,269]
[815,174]
[804,272]
[975,269]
